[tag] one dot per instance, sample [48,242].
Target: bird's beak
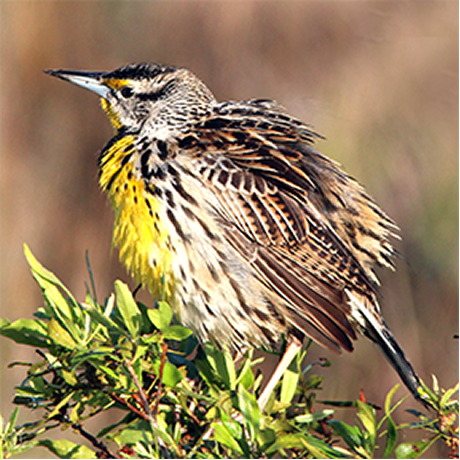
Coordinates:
[92,81]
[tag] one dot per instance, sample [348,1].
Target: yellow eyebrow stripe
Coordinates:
[115,83]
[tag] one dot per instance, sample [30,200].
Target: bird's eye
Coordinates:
[126,92]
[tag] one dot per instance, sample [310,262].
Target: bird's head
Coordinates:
[163,98]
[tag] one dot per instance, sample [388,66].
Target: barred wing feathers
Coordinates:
[309,229]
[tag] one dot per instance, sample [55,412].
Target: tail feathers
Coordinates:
[375,328]
[384,339]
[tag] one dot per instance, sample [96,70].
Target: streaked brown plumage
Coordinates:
[228,209]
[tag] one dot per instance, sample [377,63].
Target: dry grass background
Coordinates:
[378,79]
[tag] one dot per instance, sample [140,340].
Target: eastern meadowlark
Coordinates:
[228,211]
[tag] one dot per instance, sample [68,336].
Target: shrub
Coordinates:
[176,398]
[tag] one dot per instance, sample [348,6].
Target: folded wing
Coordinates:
[294,214]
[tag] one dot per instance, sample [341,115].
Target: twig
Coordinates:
[160,378]
[142,395]
[129,406]
[93,440]
[148,412]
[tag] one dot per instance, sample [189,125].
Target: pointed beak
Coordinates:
[93,81]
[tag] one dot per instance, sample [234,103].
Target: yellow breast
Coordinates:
[139,230]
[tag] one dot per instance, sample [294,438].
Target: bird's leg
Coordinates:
[291,351]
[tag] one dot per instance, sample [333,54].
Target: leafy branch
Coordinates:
[171,397]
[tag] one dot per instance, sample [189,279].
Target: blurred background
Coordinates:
[378,79]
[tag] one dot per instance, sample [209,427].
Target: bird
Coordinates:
[228,212]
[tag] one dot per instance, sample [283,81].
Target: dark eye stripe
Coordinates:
[150,96]
[155,95]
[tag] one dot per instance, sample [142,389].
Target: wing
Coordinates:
[309,230]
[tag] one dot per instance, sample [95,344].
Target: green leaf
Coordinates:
[76,412]
[66,308]
[162,431]
[414,449]
[267,436]
[69,378]
[392,437]
[389,397]
[435,385]
[128,308]
[178,333]
[109,372]
[134,433]
[59,335]
[314,381]
[233,427]
[447,395]
[349,434]
[367,416]
[392,433]
[320,449]
[12,421]
[28,332]
[67,449]
[222,363]
[161,316]
[223,436]
[141,351]
[171,374]
[245,373]
[286,441]
[230,369]
[41,271]
[250,411]
[61,404]
[337,403]
[426,393]
[315,417]
[104,319]
[290,381]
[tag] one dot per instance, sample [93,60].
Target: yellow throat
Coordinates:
[139,230]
